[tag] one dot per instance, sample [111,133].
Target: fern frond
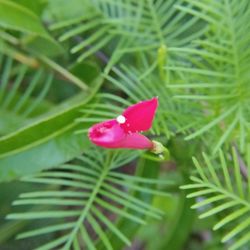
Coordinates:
[21,92]
[89,33]
[92,186]
[223,193]
[215,73]
[131,26]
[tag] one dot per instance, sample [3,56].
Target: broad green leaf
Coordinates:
[35,6]
[9,122]
[47,142]
[49,154]
[53,124]
[17,17]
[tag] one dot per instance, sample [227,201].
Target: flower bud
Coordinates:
[160,150]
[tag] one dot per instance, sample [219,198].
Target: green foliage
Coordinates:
[51,126]
[91,188]
[216,71]
[220,190]
[66,65]
[18,18]
[14,107]
[131,26]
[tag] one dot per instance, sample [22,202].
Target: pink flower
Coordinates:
[124,131]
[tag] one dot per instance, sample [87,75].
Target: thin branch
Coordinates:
[243,167]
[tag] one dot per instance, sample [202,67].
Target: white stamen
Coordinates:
[121,119]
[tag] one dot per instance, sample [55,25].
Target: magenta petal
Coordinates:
[136,141]
[107,134]
[139,117]
[123,132]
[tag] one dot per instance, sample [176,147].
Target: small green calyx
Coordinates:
[160,150]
